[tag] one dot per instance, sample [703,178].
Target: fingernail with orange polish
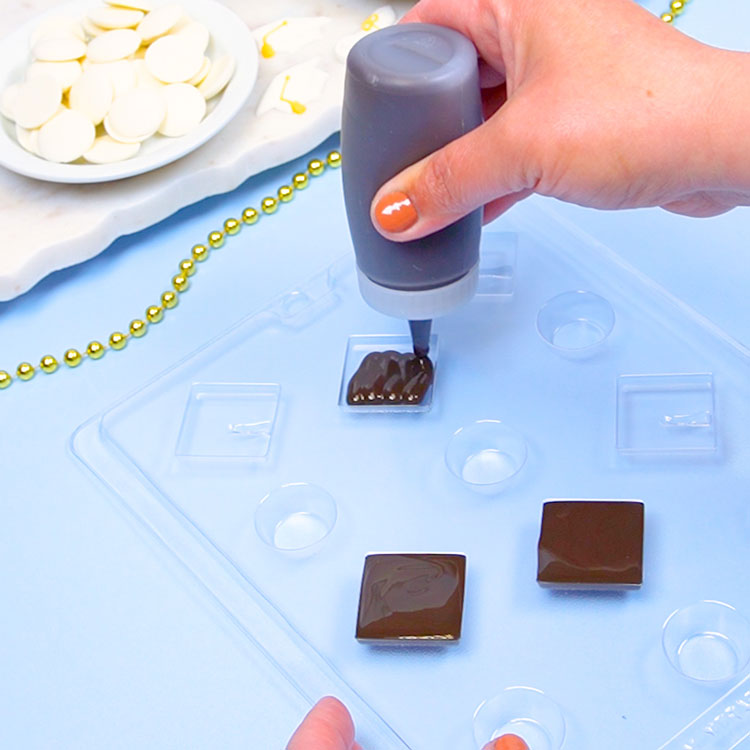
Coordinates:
[395,212]
[508,742]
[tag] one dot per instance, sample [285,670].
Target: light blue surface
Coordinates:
[102,643]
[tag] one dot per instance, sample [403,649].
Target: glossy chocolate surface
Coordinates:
[591,544]
[390,378]
[411,598]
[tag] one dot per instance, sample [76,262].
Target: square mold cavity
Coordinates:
[666,414]
[497,265]
[358,347]
[228,420]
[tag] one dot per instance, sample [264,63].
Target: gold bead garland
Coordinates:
[676,8]
[180,282]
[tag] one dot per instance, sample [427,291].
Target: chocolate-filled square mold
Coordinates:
[591,544]
[228,420]
[362,346]
[411,599]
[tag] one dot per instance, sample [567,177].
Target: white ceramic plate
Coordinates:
[229,35]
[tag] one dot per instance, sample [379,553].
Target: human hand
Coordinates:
[329,726]
[596,103]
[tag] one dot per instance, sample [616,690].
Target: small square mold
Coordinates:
[359,346]
[666,414]
[497,265]
[228,420]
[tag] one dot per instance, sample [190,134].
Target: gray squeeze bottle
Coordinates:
[409,90]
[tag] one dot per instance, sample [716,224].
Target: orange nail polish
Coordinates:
[395,212]
[509,742]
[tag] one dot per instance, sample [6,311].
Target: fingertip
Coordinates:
[507,742]
[328,724]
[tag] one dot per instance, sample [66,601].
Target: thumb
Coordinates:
[328,726]
[489,164]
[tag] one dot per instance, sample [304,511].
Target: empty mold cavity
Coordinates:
[358,347]
[575,323]
[665,413]
[707,642]
[526,712]
[497,265]
[295,517]
[485,455]
[228,420]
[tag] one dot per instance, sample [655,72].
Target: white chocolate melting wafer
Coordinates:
[121,73]
[218,77]
[57,26]
[29,139]
[36,101]
[115,18]
[59,49]
[65,73]
[92,94]
[160,21]
[91,29]
[66,137]
[136,116]
[173,59]
[193,30]
[186,107]
[113,45]
[7,102]
[145,5]
[200,76]
[106,150]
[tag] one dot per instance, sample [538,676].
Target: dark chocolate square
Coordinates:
[411,599]
[595,544]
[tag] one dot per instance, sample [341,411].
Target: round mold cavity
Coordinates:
[526,712]
[707,642]
[575,323]
[295,517]
[485,455]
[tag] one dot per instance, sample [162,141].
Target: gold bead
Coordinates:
[316,167]
[180,282]
[334,159]
[300,181]
[250,215]
[25,371]
[667,17]
[269,205]
[232,226]
[5,379]
[677,7]
[216,239]
[200,253]
[118,341]
[169,300]
[48,364]
[95,350]
[138,328]
[72,358]
[187,267]
[154,313]
[286,193]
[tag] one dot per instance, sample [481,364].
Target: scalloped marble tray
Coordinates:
[50,226]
